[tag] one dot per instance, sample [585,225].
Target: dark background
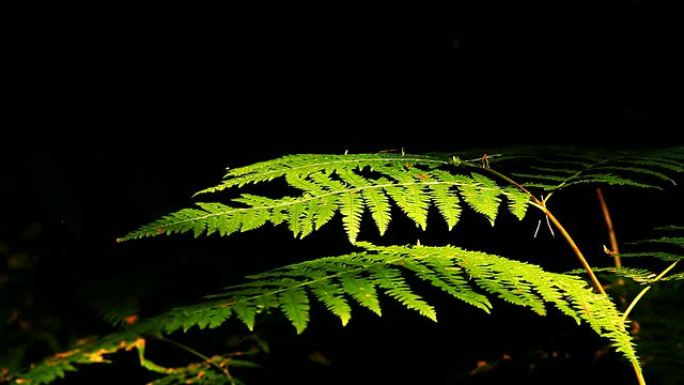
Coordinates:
[113,127]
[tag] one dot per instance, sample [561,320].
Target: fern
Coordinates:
[638,275]
[554,169]
[353,185]
[466,275]
[667,248]
[350,185]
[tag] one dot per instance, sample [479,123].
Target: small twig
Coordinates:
[542,206]
[198,354]
[646,289]
[578,252]
[614,250]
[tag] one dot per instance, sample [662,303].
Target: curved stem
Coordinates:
[198,354]
[576,250]
[639,375]
[542,206]
[516,184]
[646,289]
[614,250]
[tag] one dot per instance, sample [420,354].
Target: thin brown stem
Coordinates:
[516,184]
[614,249]
[542,206]
[577,251]
[646,289]
[198,354]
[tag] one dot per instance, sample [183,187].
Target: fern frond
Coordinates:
[667,248]
[642,276]
[645,249]
[674,277]
[303,165]
[352,184]
[466,275]
[349,187]
[554,169]
[665,256]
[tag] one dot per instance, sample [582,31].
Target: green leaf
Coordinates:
[351,207]
[331,295]
[295,304]
[517,202]
[363,291]
[246,314]
[484,200]
[447,203]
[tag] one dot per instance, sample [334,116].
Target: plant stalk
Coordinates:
[597,285]
[542,206]
[646,289]
[576,250]
[614,250]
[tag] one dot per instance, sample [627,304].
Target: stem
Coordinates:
[640,376]
[542,206]
[634,302]
[516,184]
[198,354]
[646,289]
[576,249]
[615,251]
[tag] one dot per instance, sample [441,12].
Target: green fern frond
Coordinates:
[670,228]
[554,169]
[303,165]
[466,275]
[674,277]
[665,256]
[645,249]
[330,186]
[352,184]
[642,276]
[669,241]
[667,248]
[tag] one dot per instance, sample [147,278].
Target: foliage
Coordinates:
[353,184]
[466,275]
[348,184]
[553,169]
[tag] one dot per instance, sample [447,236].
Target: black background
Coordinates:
[113,127]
